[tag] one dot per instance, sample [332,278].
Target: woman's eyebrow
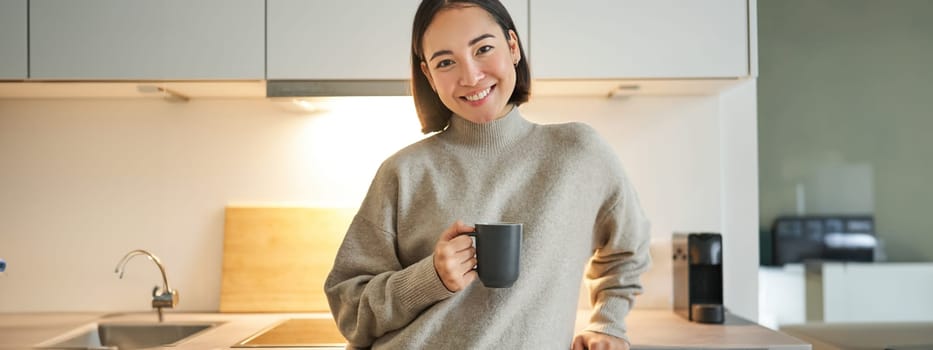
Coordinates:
[481,37]
[472,42]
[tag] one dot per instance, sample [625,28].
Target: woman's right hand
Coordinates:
[455,257]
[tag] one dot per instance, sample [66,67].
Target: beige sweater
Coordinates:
[563,182]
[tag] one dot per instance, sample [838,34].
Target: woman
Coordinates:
[403,281]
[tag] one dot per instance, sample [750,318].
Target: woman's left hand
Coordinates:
[598,341]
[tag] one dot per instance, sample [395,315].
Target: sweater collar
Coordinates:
[497,134]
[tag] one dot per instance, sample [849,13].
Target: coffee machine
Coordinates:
[698,277]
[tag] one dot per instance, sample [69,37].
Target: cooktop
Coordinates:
[297,332]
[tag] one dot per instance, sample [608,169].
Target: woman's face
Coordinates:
[470,63]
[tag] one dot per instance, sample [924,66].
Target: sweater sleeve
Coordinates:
[369,291]
[622,238]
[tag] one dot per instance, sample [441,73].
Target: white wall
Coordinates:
[85,181]
[739,150]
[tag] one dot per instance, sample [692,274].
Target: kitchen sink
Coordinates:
[126,336]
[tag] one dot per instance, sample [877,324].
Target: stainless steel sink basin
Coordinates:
[126,336]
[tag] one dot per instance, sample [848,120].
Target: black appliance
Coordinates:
[698,277]
[797,239]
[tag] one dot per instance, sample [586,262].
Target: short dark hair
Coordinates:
[433,114]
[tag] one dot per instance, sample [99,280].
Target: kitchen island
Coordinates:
[648,329]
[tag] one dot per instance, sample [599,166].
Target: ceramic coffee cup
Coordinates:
[498,249]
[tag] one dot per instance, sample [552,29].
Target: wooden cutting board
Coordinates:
[276,259]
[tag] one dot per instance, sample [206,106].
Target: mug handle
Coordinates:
[473,236]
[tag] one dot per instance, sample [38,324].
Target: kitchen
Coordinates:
[103,155]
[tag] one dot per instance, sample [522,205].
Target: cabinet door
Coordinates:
[518,9]
[13,39]
[348,39]
[144,39]
[612,39]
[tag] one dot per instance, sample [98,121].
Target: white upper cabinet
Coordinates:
[518,9]
[13,39]
[145,39]
[348,39]
[632,39]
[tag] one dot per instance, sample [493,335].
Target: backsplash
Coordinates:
[86,180]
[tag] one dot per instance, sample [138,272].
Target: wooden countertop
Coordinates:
[232,329]
[648,329]
[663,329]
[23,329]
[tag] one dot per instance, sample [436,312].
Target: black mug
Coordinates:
[498,249]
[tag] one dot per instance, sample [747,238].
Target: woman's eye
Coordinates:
[484,49]
[444,63]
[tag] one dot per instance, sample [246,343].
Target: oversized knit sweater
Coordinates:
[562,181]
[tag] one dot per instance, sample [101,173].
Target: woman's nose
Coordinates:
[470,73]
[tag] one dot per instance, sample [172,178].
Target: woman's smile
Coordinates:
[479,97]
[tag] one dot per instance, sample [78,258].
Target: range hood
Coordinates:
[335,88]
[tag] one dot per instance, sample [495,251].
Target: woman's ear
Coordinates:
[514,50]
[427,74]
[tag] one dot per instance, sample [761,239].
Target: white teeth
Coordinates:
[479,95]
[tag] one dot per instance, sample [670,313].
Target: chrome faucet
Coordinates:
[164,297]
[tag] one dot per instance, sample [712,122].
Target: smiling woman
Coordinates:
[405,274]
